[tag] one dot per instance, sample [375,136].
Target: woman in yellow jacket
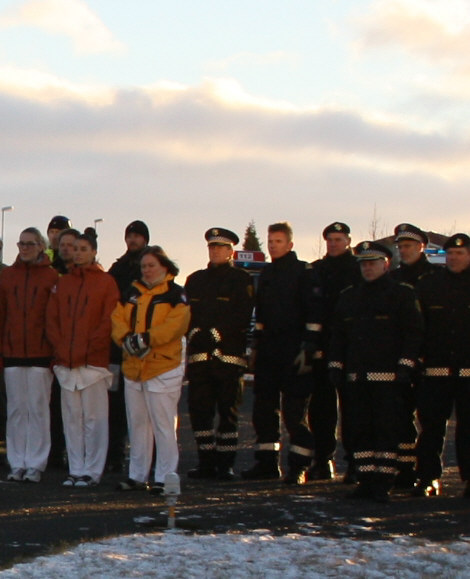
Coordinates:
[149,324]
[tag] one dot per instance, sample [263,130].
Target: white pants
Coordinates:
[151,414]
[85,418]
[28,416]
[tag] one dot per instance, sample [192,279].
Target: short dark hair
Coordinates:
[162,257]
[282,227]
[74,232]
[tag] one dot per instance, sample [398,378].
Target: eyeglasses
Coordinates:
[27,244]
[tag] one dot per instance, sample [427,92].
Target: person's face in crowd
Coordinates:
[84,254]
[53,236]
[135,241]
[337,244]
[372,269]
[29,247]
[219,253]
[278,244]
[67,247]
[457,259]
[151,268]
[410,251]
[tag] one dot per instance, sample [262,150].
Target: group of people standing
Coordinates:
[114,349]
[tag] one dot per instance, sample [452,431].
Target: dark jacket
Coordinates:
[284,305]
[377,327]
[411,274]
[125,270]
[221,301]
[445,302]
[330,276]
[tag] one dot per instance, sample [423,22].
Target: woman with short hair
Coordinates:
[25,288]
[79,328]
[149,325]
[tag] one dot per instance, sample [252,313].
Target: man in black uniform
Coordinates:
[411,242]
[282,361]
[331,275]
[221,301]
[445,300]
[376,339]
[125,270]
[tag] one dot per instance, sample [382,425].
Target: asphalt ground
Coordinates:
[37,519]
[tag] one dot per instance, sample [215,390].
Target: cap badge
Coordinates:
[459,241]
[215,232]
[337,226]
[365,245]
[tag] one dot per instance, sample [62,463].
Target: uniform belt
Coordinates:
[226,359]
[444,372]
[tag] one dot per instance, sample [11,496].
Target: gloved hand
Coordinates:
[137,344]
[403,374]
[335,376]
[303,363]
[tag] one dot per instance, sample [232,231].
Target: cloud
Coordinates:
[71,18]
[435,30]
[251,59]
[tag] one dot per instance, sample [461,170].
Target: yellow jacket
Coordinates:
[163,313]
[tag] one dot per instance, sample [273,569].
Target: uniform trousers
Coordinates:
[28,417]
[279,390]
[436,398]
[85,417]
[377,408]
[152,414]
[215,386]
[323,413]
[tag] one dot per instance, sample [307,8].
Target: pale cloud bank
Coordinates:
[70,18]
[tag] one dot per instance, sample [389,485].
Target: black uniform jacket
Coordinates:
[411,274]
[445,301]
[377,327]
[284,312]
[330,276]
[221,300]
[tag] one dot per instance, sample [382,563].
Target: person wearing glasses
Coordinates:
[25,288]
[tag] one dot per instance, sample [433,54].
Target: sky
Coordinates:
[258,554]
[213,113]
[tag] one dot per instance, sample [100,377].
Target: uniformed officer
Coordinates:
[376,339]
[283,363]
[411,242]
[337,270]
[445,300]
[221,301]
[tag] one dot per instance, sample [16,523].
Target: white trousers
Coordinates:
[85,418]
[149,415]
[28,416]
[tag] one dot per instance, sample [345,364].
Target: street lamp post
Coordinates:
[96,221]
[4,210]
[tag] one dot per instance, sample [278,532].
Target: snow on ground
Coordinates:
[175,555]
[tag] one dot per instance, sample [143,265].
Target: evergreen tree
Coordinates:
[251,241]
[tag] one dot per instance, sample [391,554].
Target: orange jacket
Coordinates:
[24,292]
[79,317]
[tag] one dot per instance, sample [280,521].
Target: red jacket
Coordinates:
[24,293]
[79,317]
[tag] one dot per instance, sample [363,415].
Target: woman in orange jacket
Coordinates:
[79,328]
[25,288]
[150,325]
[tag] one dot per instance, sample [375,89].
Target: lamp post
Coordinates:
[4,210]
[96,221]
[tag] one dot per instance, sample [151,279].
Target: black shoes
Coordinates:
[295,476]
[424,488]
[362,491]
[262,472]
[203,472]
[226,474]
[405,479]
[322,471]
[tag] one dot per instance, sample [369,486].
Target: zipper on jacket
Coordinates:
[72,338]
